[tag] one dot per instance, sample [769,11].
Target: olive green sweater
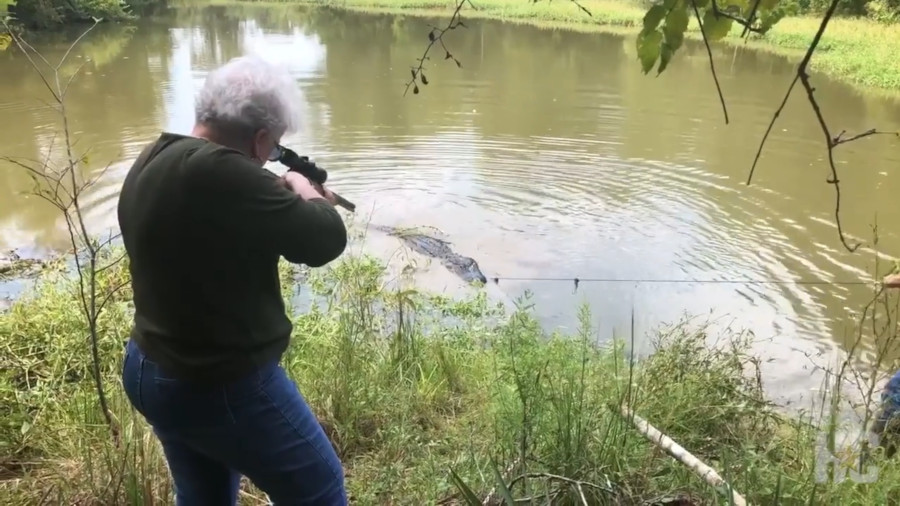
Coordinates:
[204,228]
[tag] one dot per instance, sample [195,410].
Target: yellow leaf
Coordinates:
[5,41]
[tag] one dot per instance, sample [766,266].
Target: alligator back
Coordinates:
[463,266]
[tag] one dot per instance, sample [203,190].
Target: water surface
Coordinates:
[547,156]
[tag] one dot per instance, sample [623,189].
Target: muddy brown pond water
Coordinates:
[546,155]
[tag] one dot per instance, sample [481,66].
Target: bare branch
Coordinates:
[74,75]
[436,35]
[112,263]
[831,142]
[88,183]
[769,128]
[55,182]
[712,65]
[50,185]
[75,43]
[582,7]
[578,484]
[25,45]
[839,138]
[746,23]
[22,46]
[110,294]
[750,18]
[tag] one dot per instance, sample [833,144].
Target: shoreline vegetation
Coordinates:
[855,50]
[429,400]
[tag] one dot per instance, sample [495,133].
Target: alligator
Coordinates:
[13,265]
[464,267]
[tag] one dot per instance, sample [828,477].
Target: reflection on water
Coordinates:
[547,155]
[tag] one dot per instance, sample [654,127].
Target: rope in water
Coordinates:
[579,280]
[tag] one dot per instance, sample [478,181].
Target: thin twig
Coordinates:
[839,138]
[436,35]
[829,143]
[69,205]
[110,294]
[24,46]
[582,7]
[712,65]
[579,484]
[750,18]
[802,76]
[769,129]
[746,23]
[62,60]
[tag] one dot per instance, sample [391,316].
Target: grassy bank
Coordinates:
[857,51]
[413,387]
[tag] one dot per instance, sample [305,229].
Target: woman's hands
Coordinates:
[307,190]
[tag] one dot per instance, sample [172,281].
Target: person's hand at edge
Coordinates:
[892,281]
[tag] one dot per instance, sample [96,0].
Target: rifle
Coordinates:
[303,166]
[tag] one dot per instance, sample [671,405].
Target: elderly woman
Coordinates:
[204,226]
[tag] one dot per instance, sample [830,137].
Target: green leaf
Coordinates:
[701,4]
[716,28]
[648,48]
[653,16]
[743,5]
[468,495]
[501,485]
[768,19]
[765,5]
[678,19]
[665,56]
[676,24]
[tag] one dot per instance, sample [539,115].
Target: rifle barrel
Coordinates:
[346,204]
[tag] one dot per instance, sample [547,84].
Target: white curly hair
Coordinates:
[250,94]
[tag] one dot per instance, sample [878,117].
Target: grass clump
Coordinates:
[424,397]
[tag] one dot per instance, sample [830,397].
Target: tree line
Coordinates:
[55,14]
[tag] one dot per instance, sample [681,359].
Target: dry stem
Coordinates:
[62,189]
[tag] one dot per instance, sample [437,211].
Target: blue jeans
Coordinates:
[258,426]
[890,402]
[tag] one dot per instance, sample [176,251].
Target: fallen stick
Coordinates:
[677,452]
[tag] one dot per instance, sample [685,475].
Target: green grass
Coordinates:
[452,386]
[857,51]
